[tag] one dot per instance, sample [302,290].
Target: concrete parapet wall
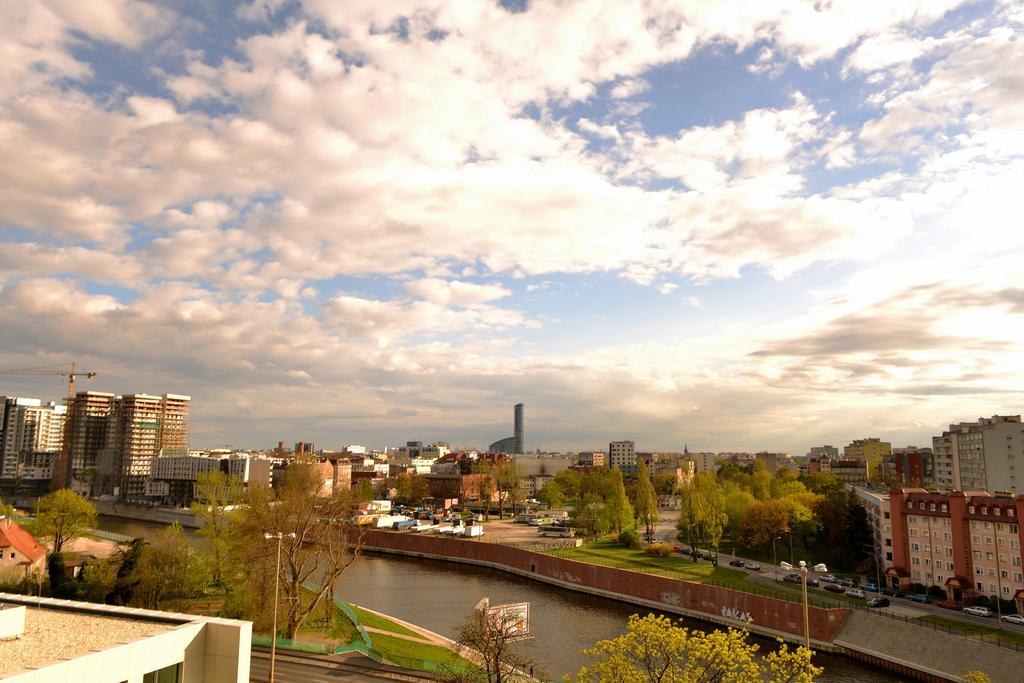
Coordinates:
[149,514]
[760,614]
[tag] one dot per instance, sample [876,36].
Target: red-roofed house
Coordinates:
[19,550]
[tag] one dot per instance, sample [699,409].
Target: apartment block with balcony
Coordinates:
[31,431]
[622,456]
[966,543]
[871,450]
[982,455]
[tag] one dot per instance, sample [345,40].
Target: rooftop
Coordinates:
[55,634]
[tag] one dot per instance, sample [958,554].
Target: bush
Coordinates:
[658,550]
[937,591]
[629,538]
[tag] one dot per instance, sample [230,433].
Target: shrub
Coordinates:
[937,591]
[658,550]
[629,538]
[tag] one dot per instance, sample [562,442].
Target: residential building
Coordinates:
[622,456]
[336,473]
[172,479]
[53,640]
[772,461]
[88,416]
[705,462]
[968,543]
[854,472]
[140,427]
[981,455]
[913,467]
[871,450]
[535,482]
[304,448]
[590,459]
[876,503]
[823,453]
[28,426]
[21,555]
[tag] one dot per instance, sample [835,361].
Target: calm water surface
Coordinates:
[440,595]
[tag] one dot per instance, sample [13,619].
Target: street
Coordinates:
[316,669]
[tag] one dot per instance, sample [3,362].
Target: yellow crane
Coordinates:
[72,374]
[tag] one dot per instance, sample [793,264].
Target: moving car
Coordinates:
[812,582]
[752,566]
[792,578]
[878,603]
[834,588]
[736,563]
[949,604]
[920,597]
[1013,619]
[870,587]
[847,583]
[828,578]
[978,611]
[681,549]
[854,593]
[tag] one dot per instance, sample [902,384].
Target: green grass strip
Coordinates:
[371,620]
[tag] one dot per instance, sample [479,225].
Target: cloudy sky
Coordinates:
[734,224]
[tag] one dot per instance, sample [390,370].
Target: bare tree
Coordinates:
[315,558]
[492,640]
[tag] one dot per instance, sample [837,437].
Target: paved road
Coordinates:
[293,668]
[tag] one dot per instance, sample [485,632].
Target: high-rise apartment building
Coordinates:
[871,450]
[913,467]
[622,456]
[87,435]
[29,429]
[980,456]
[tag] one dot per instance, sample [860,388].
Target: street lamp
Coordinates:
[277,583]
[820,568]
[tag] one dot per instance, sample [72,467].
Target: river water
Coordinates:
[439,595]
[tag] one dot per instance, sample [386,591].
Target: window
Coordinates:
[995,511]
[887,515]
[168,674]
[1018,577]
[970,509]
[917,574]
[980,586]
[933,507]
[1004,574]
[944,508]
[888,556]
[979,571]
[984,510]
[949,566]
[991,572]
[1006,589]
[915,546]
[915,560]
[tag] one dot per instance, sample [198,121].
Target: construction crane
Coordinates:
[62,469]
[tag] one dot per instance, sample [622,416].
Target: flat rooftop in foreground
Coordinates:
[55,634]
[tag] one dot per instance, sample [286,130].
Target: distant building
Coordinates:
[172,479]
[88,415]
[872,450]
[913,467]
[823,453]
[590,459]
[21,555]
[705,462]
[304,448]
[541,464]
[622,456]
[29,427]
[513,444]
[853,472]
[772,461]
[980,455]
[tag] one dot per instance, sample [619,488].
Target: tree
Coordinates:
[551,495]
[364,494]
[6,510]
[689,515]
[646,508]
[666,484]
[63,516]
[215,491]
[490,639]
[763,521]
[617,511]
[403,487]
[315,558]
[655,649]
[509,480]
[711,510]
[485,489]
[587,515]
[168,569]
[420,490]
[976,677]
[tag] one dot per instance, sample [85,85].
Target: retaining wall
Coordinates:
[760,614]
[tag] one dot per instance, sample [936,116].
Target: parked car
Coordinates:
[893,593]
[854,593]
[869,587]
[834,588]
[792,578]
[878,603]
[847,583]
[752,566]
[920,597]
[736,563]
[978,611]
[828,578]
[1013,619]
[812,582]
[949,604]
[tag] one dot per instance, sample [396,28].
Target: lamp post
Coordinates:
[277,583]
[820,568]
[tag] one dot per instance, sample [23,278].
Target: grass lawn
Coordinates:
[611,554]
[410,653]
[1006,634]
[373,621]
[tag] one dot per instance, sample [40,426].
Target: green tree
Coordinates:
[215,493]
[976,677]
[364,492]
[403,487]
[688,523]
[485,489]
[551,495]
[6,510]
[646,508]
[169,570]
[63,516]
[420,490]
[617,511]
[763,521]
[587,515]
[666,484]
[570,482]
[655,649]
[711,514]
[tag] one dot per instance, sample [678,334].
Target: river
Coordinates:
[439,595]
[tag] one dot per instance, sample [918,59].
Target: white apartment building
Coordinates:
[981,455]
[876,503]
[29,427]
[705,462]
[622,455]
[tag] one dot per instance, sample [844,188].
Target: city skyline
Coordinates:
[367,223]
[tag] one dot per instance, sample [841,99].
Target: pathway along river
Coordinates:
[440,595]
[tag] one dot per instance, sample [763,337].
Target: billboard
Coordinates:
[513,618]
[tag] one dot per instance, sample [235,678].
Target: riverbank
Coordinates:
[142,513]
